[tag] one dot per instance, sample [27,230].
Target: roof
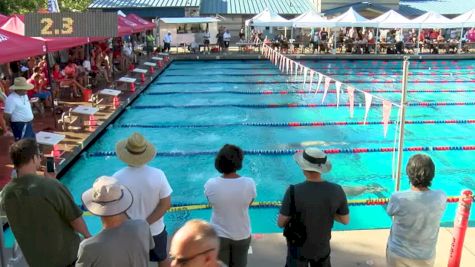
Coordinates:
[188,20]
[104,4]
[447,7]
[404,10]
[289,7]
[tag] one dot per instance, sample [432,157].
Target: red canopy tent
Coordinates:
[144,24]
[15,24]
[15,47]
[3,18]
[122,21]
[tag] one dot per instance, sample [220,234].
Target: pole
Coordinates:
[403,120]
[50,84]
[460,228]
[376,38]
[418,41]
[460,41]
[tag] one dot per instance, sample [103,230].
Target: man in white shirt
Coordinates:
[167,40]
[150,190]
[18,110]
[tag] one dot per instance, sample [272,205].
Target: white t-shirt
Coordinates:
[230,199]
[87,65]
[19,107]
[227,36]
[148,185]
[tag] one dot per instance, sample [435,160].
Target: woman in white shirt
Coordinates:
[230,196]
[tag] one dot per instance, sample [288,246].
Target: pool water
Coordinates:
[216,87]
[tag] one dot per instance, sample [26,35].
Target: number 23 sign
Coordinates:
[71,24]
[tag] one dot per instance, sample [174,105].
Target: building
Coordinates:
[150,9]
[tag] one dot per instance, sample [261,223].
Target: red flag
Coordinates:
[325,87]
[386,114]
[368,99]
[351,99]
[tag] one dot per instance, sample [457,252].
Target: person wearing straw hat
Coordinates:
[122,241]
[18,110]
[150,189]
[317,203]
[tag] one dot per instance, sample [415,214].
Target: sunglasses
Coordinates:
[185,260]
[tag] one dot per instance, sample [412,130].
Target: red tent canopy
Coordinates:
[3,18]
[147,25]
[122,21]
[15,24]
[15,47]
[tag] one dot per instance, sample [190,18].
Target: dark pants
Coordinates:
[166,47]
[295,259]
[234,252]
[22,130]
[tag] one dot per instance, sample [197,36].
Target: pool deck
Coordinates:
[357,248]
[349,248]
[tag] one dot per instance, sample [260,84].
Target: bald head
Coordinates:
[197,242]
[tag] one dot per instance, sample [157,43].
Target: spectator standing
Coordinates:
[18,111]
[167,40]
[220,39]
[150,190]
[230,196]
[122,241]
[206,41]
[226,39]
[319,204]
[41,211]
[4,84]
[195,244]
[416,217]
[149,42]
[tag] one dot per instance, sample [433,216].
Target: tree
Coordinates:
[8,7]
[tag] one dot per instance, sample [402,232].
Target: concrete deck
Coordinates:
[356,248]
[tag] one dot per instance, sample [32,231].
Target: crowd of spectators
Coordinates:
[132,203]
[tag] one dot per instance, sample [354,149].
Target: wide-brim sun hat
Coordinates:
[107,197]
[135,150]
[20,83]
[313,159]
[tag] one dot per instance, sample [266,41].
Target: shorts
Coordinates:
[206,42]
[22,130]
[394,260]
[295,259]
[42,95]
[159,252]
[226,44]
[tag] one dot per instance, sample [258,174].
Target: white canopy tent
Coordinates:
[268,18]
[467,19]
[311,19]
[434,20]
[352,19]
[392,19]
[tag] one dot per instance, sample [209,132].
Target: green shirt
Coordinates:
[39,211]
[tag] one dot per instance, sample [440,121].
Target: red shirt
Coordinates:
[57,75]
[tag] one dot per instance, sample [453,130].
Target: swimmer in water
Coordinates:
[352,191]
[306,144]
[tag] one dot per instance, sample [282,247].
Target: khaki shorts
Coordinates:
[394,260]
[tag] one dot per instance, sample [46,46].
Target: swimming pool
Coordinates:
[195,107]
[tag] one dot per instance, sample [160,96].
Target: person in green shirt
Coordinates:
[150,42]
[41,212]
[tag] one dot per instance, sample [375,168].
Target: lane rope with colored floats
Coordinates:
[277,204]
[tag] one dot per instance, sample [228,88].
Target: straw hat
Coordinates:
[135,150]
[313,159]
[107,197]
[20,83]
